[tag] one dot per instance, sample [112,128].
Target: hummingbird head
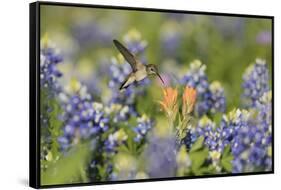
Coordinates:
[152,70]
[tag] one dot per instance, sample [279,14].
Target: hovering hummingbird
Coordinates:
[139,70]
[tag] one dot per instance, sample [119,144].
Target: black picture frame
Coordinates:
[34,92]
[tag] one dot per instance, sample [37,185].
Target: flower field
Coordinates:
[212,116]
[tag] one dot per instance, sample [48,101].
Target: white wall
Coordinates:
[14,92]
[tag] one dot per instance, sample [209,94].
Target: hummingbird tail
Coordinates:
[123,86]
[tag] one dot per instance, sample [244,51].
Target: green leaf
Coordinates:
[68,169]
[198,144]
[226,160]
[226,163]
[198,158]
[217,118]
[123,148]
[55,127]
[226,151]
[210,169]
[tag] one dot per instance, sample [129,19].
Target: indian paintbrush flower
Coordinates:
[169,102]
[188,99]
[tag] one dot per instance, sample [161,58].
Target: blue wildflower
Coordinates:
[189,138]
[115,139]
[118,112]
[207,129]
[197,78]
[264,108]
[256,82]
[134,42]
[90,33]
[144,124]
[251,146]
[161,157]
[231,124]
[230,27]
[82,117]
[217,98]
[210,98]
[264,37]
[49,72]
[49,76]
[170,38]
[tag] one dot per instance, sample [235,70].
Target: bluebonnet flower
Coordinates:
[189,138]
[210,98]
[49,89]
[256,82]
[118,112]
[170,38]
[264,108]
[49,72]
[264,37]
[134,42]
[49,85]
[89,33]
[230,27]
[207,129]
[93,86]
[115,139]
[217,137]
[161,157]
[82,116]
[251,146]
[197,78]
[230,125]
[144,124]
[217,97]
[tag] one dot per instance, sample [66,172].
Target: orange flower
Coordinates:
[188,99]
[169,103]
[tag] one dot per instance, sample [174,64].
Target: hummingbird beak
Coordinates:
[160,77]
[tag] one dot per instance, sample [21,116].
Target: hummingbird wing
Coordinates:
[129,57]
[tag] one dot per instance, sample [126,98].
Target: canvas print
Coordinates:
[142,95]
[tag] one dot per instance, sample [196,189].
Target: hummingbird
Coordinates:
[139,70]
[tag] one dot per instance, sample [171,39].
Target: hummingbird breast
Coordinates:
[141,74]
